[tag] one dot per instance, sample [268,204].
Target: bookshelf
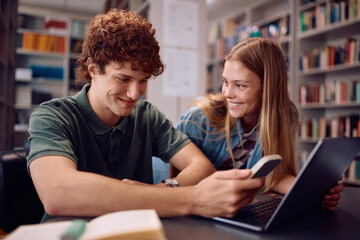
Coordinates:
[328,73]
[48,42]
[8,9]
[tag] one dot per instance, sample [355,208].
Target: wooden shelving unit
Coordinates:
[333,24]
[8,10]
[50,55]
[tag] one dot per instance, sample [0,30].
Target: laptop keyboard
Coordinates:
[258,213]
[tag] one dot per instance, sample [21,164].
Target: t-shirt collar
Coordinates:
[94,122]
[237,131]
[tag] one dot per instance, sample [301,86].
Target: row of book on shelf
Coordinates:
[49,33]
[42,34]
[41,42]
[352,174]
[339,126]
[53,25]
[39,71]
[26,96]
[56,25]
[226,34]
[329,55]
[329,12]
[333,92]
[48,24]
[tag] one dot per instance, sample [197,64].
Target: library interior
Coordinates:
[41,41]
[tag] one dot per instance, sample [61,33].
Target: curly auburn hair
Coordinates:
[120,36]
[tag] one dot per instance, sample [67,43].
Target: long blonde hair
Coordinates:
[278,120]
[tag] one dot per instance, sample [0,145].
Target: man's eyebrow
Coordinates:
[122,75]
[129,76]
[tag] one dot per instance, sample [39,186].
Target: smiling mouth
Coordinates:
[128,103]
[234,105]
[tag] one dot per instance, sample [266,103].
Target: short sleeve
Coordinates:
[50,133]
[194,124]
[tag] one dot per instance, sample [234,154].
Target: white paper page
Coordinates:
[44,231]
[122,222]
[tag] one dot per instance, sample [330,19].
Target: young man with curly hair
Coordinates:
[92,153]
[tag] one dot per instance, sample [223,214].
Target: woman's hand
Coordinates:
[332,199]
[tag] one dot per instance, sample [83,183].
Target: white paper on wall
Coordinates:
[181,75]
[181,23]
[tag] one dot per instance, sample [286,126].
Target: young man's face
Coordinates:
[114,94]
[243,91]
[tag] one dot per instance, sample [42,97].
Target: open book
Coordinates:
[132,224]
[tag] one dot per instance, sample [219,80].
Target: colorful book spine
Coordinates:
[339,126]
[336,91]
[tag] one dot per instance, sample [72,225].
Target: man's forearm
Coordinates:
[88,194]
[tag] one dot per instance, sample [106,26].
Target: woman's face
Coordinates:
[242,89]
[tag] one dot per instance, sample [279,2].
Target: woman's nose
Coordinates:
[227,91]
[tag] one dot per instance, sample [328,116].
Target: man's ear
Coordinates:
[91,67]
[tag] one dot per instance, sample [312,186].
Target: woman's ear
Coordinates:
[91,67]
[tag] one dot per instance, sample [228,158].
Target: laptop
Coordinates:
[324,167]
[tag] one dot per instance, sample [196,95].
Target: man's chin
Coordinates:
[126,112]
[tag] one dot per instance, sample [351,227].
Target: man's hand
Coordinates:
[224,193]
[332,199]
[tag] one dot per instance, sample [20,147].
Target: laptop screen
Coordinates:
[326,164]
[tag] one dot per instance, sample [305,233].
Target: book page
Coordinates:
[121,223]
[133,224]
[39,231]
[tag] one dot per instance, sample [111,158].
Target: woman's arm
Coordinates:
[190,165]
[284,185]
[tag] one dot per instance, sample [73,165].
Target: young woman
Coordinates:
[252,117]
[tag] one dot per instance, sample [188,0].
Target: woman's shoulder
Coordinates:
[194,122]
[193,113]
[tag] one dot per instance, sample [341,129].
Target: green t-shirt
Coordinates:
[69,127]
